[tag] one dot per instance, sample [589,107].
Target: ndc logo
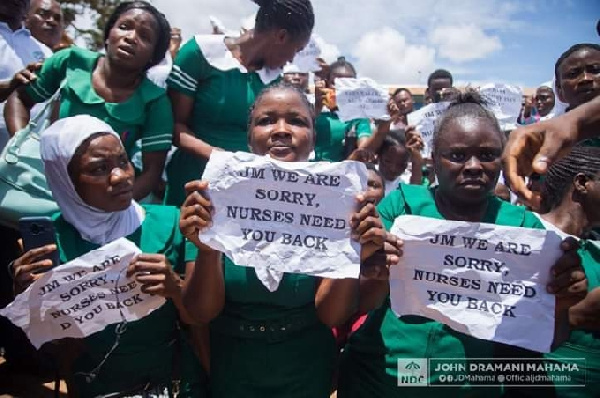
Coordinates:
[413,372]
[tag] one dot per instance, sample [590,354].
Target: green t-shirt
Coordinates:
[146,115]
[370,365]
[222,100]
[331,133]
[145,350]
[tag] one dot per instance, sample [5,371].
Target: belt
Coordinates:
[269,330]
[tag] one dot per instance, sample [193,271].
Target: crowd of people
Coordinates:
[221,332]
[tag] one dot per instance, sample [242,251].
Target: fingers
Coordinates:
[196,185]
[517,160]
[35,254]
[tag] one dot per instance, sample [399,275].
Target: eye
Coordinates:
[595,69]
[123,162]
[262,121]
[99,169]
[456,156]
[298,121]
[488,156]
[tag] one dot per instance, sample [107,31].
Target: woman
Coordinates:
[113,88]
[216,78]
[398,148]
[571,205]
[92,181]
[467,145]
[336,139]
[293,355]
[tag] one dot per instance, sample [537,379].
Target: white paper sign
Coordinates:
[483,280]
[284,217]
[82,296]
[504,101]
[361,98]
[424,120]
[305,61]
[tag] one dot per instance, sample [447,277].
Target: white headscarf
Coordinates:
[58,144]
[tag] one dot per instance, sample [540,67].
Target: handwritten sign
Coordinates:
[483,280]
[361,98]
[305,61]
[284,217]
[424,120]
[504,101]
[82,296]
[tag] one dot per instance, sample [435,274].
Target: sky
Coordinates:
[400,42]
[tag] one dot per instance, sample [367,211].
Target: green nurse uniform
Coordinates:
[147,348]
[223,93]
[270,344]
[369,365]
[146,115]
[582,344]
[331,133]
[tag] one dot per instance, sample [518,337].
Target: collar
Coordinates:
[21,31]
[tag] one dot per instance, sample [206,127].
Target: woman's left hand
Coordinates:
[155,275]
[568,281]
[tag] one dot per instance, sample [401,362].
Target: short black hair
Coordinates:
[394,138]
[468,103]
[340,63]
[295,16]
[163,36]
[400,89]
[567,54]
[440,74]
[560,175]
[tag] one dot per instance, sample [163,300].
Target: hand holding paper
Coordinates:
[196,213]
[155,274]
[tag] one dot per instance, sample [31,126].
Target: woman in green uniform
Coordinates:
[113,88]
[269,344]
[571,202]
[216,78]
[92,181]
[467,146]
[337,139]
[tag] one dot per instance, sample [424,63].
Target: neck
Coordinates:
[569,217]
[115,77]
[249,51]
[456,210]
[14,24]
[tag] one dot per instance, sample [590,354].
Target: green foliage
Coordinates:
[99,10]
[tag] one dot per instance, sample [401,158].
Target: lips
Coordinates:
[123,193]
[126,50]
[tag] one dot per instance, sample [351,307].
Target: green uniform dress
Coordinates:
[267,344]
[369,365]
[149,347]
[582,344]
[145,115]
[331,133]
[222,97]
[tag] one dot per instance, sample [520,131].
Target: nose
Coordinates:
[473,165]
[281,128]
[118,176]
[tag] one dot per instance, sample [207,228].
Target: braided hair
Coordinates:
[560,175]
[163,35]
[471,104]
[295,16]
[567,54]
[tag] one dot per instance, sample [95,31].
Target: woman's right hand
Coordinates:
[196,212]
[27,268]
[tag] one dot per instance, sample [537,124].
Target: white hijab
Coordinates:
[58,144]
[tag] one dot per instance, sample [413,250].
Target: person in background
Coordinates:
[544,101]
[529,113]
[439,82]
[112,87]
[299,79]
[45,22]
[399,149]
[336,139]
[400,105]
[215,80]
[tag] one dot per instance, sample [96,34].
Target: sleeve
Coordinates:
[191,252]
[531,221]
[392,206]
[189,69]
[53,72]
[363,128]
[158,128]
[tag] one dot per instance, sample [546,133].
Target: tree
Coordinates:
[97,10]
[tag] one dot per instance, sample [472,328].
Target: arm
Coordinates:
[153,165]
[586,313]
[204,287]
[374,141]
[21,78]
[414,144]
[336,300]
[17,111]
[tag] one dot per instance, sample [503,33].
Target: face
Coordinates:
[544,100]
[340,73]
[298,80]
[404,101]
[132,40]
[282,48]
[467,159]
[13,10]
[103,176]
[436,88]
[44,20]
[393,162]
[375,191]
[590,186]
[580,77]
[281,126]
